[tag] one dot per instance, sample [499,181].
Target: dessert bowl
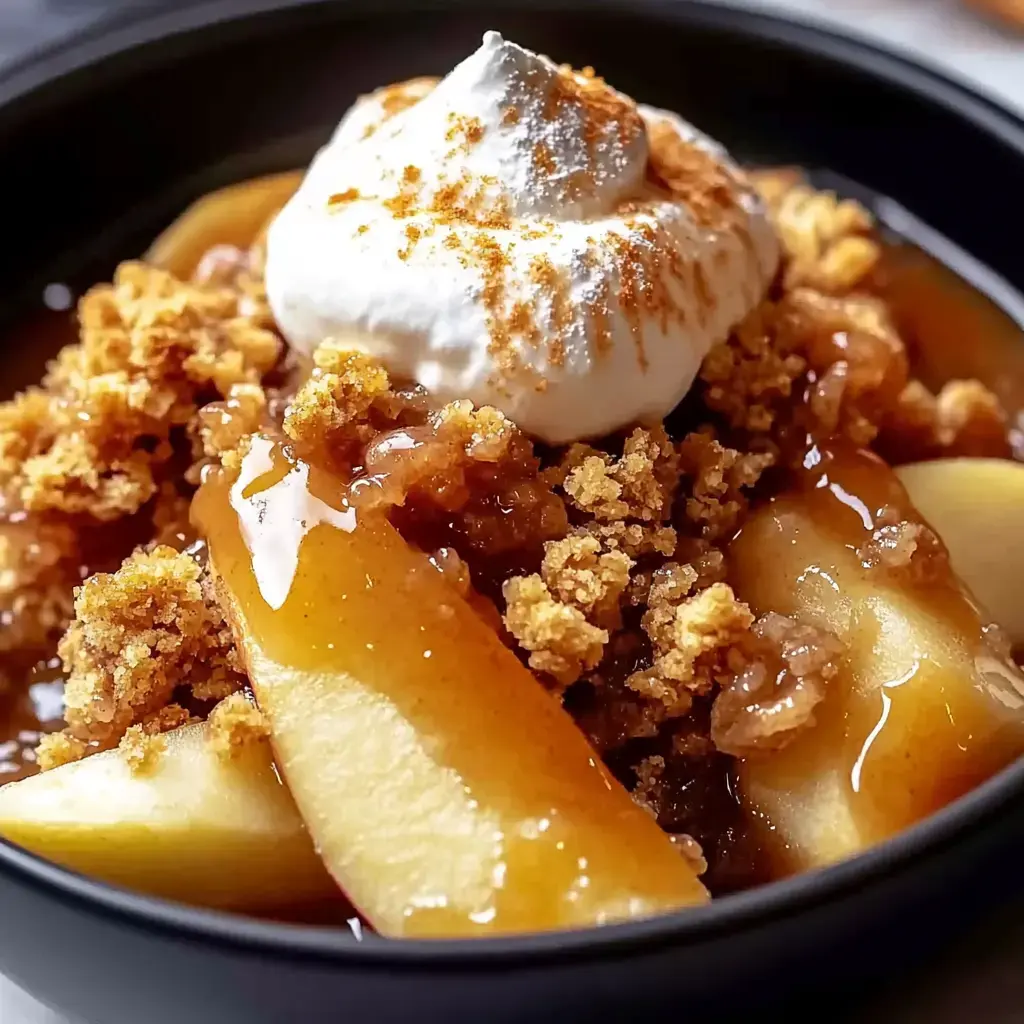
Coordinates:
[162,110]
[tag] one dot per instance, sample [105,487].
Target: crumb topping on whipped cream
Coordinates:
[523,235]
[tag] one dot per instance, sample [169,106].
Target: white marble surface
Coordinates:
[986,984]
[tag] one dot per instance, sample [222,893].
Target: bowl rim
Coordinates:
[118,37]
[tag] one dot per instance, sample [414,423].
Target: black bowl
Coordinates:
[106,138]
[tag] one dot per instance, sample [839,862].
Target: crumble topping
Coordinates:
[749,378]
[90,461]
[904,550]
[638,485]
[338,396]
[152,350]
[827,240]
[58,748]
[138,634]
[720,477]
[223,425]
[235,724]
[780,675]
[142,750]
[577,572]
[689,636]
[562,644]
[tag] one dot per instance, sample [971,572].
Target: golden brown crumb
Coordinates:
[912,422]
[437,456]
[964,419]
[577,572]
[337,396]
[638,485]
[139,633]
[99,442]
[780,680]
[465,474]
[485,433]
[857,356]
[235,724]
[562,644]
[92,441]
[826,241]
[686,633]
[720,477]
[749,377]
[649,772]
[970,420]
[691,852]
[166,719]
[142,750]
[220,684]
[57,748]
[633,539]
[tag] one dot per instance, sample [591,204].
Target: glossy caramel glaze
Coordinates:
[927,703]
[447,791]
[952,330]
[27,711]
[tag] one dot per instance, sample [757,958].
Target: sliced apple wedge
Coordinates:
[195,829]
[447,792]
[977,507]
[230,216]
[924,707]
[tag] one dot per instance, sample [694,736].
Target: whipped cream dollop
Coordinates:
[524,236]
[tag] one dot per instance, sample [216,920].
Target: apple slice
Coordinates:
[925,706]
[447,791]
[231,216]
[196,828]
[977,507]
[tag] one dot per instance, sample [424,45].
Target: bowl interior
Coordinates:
[99,158]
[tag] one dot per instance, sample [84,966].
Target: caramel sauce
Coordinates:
[925,706]
[952,330]
[446,790]
[31,707]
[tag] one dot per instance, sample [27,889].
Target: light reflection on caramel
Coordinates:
[271,495]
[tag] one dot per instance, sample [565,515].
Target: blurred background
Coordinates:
[981,41]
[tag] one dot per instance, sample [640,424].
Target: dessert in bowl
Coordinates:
[524,519]
[522,493]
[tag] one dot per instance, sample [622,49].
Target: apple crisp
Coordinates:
[605,566]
